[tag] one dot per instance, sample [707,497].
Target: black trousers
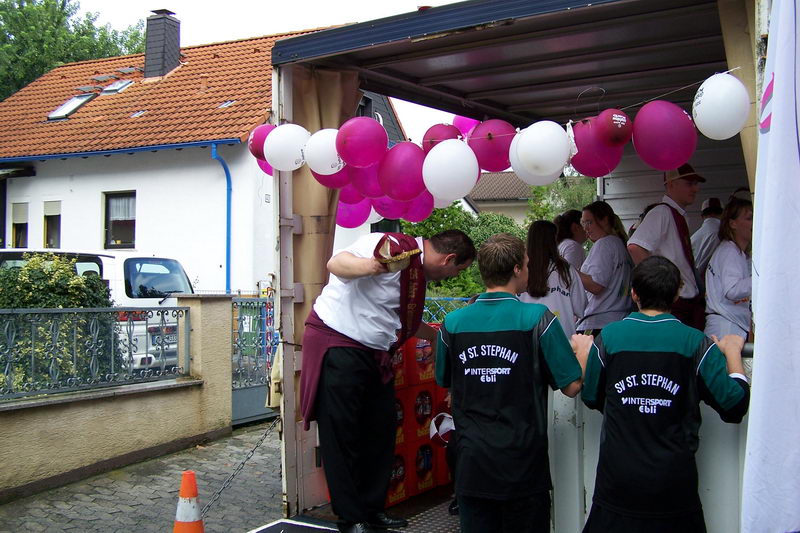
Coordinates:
[602,520]
[530,514]
[357,423]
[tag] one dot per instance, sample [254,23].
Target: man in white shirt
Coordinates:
[706,239]
[367,308]
[664,232]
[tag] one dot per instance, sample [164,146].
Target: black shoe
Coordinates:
[452,509]
[384,521]
[360,527]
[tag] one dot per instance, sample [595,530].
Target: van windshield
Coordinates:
[152,277]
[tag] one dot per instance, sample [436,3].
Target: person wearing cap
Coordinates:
[372,303]
[705,240]
[498,356]
[665,232]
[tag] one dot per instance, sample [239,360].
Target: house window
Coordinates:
[366,108]
[52,224]
[120,220]
[19,225]
[385,225]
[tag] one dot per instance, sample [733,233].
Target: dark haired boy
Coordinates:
[498,356]
[647,374]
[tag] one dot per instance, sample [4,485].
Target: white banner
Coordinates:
[771,492]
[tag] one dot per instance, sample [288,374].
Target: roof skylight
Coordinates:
[226,104]
[116,87]
[70,106]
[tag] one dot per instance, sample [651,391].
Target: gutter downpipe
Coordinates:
[228,193]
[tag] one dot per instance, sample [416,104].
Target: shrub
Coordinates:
[50,281]
[53,350]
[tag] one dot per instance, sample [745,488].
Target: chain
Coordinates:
[239,468]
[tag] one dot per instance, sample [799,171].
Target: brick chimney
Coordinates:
[162,51]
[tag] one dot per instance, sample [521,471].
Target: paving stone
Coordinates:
[143,497]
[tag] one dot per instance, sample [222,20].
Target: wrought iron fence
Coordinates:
[45,351]
[437,308]
[255,340]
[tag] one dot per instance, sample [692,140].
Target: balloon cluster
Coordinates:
[407,181]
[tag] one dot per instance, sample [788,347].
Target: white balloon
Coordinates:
[320,152]
[441,203]
[543,148]
[450,170]
[373,217]
[721,107]
[523,173]
[283,148]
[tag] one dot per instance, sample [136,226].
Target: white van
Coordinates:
[134,281]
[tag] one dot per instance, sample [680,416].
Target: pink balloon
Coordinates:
[614,127]
[490,140]
[389,207]
[361,141]
[400,172]
[255,143]
[421,208]
[336,180]
[438,133]
[664,135]
[353,215]
[464,124]
[468,136]
[350,195]
[365,180]
[263,165]
[594,158]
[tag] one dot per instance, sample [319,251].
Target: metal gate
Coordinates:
[254,341]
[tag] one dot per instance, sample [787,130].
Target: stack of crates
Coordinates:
[419,464]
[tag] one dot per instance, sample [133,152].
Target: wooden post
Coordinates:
[737,19]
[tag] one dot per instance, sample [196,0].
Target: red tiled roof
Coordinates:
[181,107]
[500,186]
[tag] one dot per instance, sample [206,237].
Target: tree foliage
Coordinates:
[450,217]
[565,193]
[38,35]
[479,228]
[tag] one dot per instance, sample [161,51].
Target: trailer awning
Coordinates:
[523,60]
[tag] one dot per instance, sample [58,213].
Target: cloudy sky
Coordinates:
[204,21]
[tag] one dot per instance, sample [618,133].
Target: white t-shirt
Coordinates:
[658,235]
[609,264]
[704,241]
[564,301]
[572,251]
[366,309]
[728,290]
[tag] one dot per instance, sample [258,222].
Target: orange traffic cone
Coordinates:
[187,517]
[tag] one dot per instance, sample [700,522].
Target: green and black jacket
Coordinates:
[648,375]
[498,356]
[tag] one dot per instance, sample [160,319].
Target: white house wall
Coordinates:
[517,211]
[180,209]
